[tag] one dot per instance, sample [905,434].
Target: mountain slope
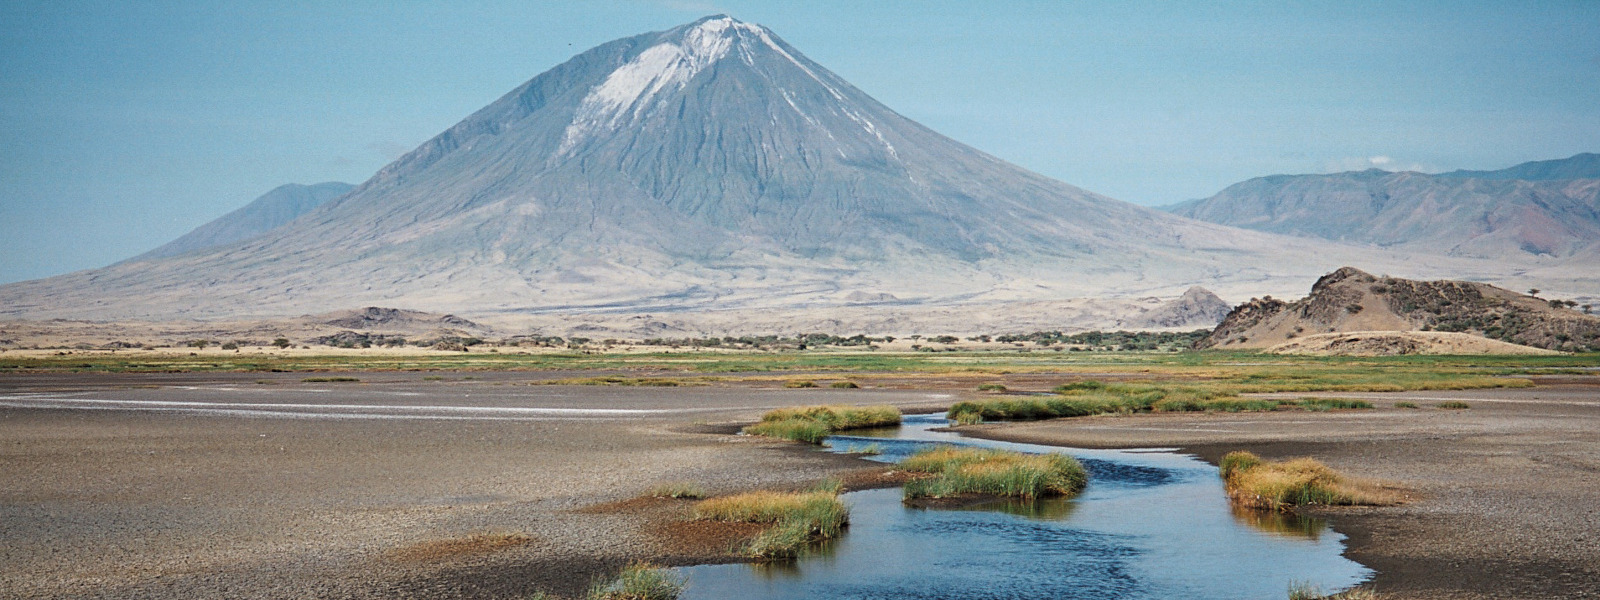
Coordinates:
[273,209]
[710,166]
[1493,218]
[1351,300]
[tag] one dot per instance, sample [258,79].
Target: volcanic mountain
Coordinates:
[708,166]
[1544,208]
[273,209]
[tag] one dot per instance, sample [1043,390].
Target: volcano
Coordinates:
[708,166]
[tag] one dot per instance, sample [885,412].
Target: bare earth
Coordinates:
[389,488]
[215,485]
[1507,492]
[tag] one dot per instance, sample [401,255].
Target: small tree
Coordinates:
[1533,292]
[1587,308]
[281,343]
[199,344]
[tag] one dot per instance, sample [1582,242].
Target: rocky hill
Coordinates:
[272,210]
[1548,209]
[1351,300]
[1197,307]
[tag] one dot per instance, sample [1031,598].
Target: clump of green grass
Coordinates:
[329,380]
[1454,405]
[798,519]
[799,384]
[958,471]
[677,489]
[1406,405]
[812,423]
[1306,591]
[991,387]
[1253,482]
[640,581]
[844,385]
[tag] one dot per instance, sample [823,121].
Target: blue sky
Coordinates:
[125,124]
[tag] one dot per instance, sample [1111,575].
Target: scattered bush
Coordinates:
[1253,482]
[959,471]
[812,423]
[640,581]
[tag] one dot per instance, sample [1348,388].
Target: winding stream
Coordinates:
[1152,524]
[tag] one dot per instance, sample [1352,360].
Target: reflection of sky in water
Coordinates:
[1150,525]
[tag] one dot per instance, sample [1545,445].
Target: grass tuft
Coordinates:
[1405,405]
[1253,482]
[991,387]
[959,471]
[812,423]
[682,490]
[1454,405]
[329,380]
[798,519]
[1306,591]
[844,385]
[800,384]
[640,581]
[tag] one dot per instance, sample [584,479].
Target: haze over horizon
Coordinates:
[128,126]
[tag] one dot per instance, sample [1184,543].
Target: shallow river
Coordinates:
[1152,524]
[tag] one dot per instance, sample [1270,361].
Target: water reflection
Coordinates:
[1281,523]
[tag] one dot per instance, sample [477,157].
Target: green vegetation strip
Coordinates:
[812,423]
[1086,398]
[797,519]
[1256,483]
[959,471]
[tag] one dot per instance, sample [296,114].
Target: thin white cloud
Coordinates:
[1381,161]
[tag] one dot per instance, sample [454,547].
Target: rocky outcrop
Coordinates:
[1351,300]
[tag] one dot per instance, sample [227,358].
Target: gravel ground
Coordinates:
[1508,491]
[213,485]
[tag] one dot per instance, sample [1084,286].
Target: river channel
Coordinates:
[1152,524]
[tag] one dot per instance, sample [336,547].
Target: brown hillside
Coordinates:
[1351,300]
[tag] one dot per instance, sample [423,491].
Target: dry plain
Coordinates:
[494,484]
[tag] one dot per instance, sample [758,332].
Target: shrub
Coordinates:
[1405,405]
[844,385]
[640,581]
[1454,405]
[991,387]
[1251,481]
[800,384]
[960,471]
[329,380]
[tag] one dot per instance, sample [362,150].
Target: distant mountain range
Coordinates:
[711,166]
[1546,208]
[272,210]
